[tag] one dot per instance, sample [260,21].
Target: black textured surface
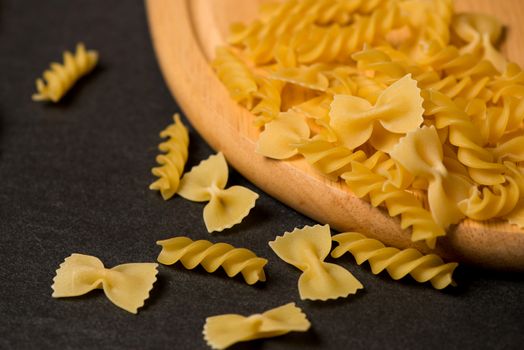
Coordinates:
[74,178]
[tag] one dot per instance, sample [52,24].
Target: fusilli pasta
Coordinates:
[61,77]
[398,263]
[173,161]
[212,256]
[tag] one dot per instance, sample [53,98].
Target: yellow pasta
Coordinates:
[127,285]
[329,158]
[398,263]
[268,107]
[306,249]
[212,256]
[365,74]
[61,77]
[280,136]
[420,152]
[464,135]
[173,161]
[480,32]
[223,331]
[364,182]
[311,77]
[397,110]
[206,182]
[236,76]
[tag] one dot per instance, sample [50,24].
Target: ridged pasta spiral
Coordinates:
[450,61]
[336,43]
[329,158]
[398,263]
[463,134]
[364,182]
[269,106]
[235,75]
[510,83]
[293,18]
[173,161]
[212,256]
[61,77]
[428,21]
[497,200]
[387,69]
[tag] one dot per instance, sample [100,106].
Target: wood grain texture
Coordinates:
[185,33]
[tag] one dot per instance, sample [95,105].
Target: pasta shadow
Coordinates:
[156,293]
[292,340]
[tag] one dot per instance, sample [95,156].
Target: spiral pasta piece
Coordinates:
[212,256]
[463,134]
[269,94]
[364,182]
[398,263]
[61,77]
[289,23]
[449,60]
[329,158]
[336,43]
[235,75]
[173,161]
[428,21]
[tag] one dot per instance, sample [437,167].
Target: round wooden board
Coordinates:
[185,34]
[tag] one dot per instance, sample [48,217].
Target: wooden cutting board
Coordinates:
[185,34]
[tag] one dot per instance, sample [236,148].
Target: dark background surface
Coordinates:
[74,178]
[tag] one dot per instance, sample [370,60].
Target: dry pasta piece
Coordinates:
[61,77]
[306,249]
[211,256]
[223,331]
[173,161]
[398,110]
[398,263]
[481,32]
[420,152]
[364,181]
[309,77]
[206,182]
[126,285]
[236,76]
[280,136]
[500,200]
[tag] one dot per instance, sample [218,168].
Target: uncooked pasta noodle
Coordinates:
[398,263]
[280,137]
[212,256]
[306,249]
[206,182]
[172,161]
[222,331]
[363,75]
[126,285]
[61,77]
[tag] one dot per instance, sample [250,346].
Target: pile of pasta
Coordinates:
[406,101]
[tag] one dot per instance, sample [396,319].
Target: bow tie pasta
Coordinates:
[223,331]
[306,249]
[206,182]
[127,285]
